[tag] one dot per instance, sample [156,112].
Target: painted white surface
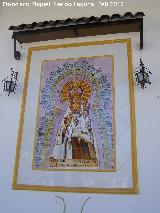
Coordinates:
[147,114]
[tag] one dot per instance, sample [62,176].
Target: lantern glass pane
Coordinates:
[12,86]
[7,85]
[146,77]
[140,76]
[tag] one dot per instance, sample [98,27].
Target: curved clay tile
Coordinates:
[79,21]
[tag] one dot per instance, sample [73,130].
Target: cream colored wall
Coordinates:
[147,119]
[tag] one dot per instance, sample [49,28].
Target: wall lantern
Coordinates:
[10,84]
[142,75]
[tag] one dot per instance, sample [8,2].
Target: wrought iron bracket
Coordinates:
[141,34]
[17,54]
[81,27]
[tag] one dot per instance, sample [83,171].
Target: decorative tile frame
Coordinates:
[31,184]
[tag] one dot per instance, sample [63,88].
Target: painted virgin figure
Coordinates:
[75,137]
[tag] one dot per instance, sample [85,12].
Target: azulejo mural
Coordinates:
[75,118]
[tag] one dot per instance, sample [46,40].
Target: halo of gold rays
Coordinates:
[74,86]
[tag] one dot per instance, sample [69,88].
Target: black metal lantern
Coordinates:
[142,75]
[10,84]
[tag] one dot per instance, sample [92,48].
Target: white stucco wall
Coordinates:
[147,119]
